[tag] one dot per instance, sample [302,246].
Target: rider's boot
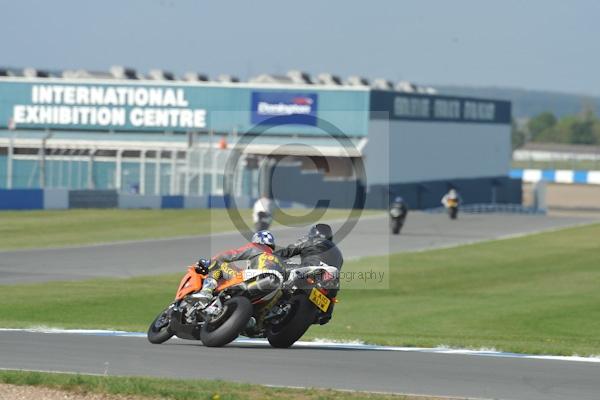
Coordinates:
[205,295]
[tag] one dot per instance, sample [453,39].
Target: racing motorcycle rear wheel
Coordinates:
[158,331]
[297,321]
[227,325]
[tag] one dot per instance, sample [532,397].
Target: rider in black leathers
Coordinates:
[398,211]
[313,249]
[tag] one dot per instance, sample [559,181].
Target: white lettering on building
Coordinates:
[64,115]
[109,106]
[265,108]
[166,117]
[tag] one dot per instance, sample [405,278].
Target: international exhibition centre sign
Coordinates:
[146,106]
[108,106]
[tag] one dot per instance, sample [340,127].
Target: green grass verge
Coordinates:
[535,294]
[31,229]
[178,388]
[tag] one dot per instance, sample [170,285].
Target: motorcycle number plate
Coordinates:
[319,300]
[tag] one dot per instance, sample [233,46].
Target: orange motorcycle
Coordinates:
[256,303]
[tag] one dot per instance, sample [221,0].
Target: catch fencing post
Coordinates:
[80,168]
[90,171]
[539,195]
[9,166]
[173,183]
[201,161]
[118,171]
[42,153]
[70,168]
[186,189]
[143,171]
[158,154]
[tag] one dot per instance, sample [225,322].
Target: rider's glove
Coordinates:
[202,266]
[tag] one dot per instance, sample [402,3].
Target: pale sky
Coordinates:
[534,44]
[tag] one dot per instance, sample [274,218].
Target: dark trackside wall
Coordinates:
[424,195]
[292,185]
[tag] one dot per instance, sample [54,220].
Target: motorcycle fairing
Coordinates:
[190,283]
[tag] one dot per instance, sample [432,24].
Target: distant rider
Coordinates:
[258,254]
[399,202]
[398,211]
[262,213]
[452,201]
[451,198]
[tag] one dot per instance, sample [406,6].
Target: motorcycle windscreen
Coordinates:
[190,283]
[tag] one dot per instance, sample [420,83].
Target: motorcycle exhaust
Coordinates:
[263,286]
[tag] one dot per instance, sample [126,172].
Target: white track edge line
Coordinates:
[323,344]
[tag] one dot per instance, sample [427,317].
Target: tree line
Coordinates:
[582,128]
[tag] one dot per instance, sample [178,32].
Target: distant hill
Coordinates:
[528,103]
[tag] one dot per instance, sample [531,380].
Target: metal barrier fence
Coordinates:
[136,167]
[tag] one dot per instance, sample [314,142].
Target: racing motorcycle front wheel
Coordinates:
[294,324]
[227,324]
[158,331]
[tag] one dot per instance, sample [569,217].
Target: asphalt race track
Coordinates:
[367,370]
[369,237]
[496,377]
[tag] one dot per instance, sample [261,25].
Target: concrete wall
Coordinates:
[560,196]
[138,201]
[93,199]
[21,199]
[294,189]
[60,199]
[56,199]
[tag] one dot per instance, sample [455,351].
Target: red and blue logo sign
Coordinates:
[290,108]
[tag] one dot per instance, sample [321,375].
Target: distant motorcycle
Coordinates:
[254,302]
[397,217]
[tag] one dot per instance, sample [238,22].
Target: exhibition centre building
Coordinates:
[301,140]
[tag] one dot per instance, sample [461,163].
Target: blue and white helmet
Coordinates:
[264,237]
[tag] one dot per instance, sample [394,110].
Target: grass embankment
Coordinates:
[535,294]
[32,229]
[179,389]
